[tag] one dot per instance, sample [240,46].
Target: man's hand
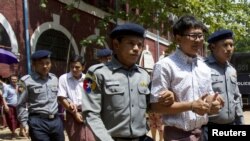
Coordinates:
[216,103]
[166,98]
[200,106]
[72,107]
[78,117]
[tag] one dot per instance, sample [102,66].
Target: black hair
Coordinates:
[185,23]
[77,58]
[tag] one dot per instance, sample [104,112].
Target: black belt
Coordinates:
[46,116]
[130,139]
[211,123]
[126,139]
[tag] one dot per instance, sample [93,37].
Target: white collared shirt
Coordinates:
[71,88]
[189,78]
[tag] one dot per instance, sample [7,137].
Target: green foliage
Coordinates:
[43,3]
[216,14]
[97,42]
[158,14]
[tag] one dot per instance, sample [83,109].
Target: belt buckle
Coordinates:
[51,116]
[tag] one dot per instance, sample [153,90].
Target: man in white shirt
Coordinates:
[70,96]
[185,73]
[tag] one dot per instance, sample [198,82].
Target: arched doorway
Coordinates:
[59,44]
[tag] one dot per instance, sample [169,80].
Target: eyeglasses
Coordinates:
[194,36]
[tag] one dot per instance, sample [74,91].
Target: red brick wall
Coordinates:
[153,48]
[13,11]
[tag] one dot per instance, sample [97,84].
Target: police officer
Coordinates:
[41,96]
[224,79]
[104,55]
[115,103]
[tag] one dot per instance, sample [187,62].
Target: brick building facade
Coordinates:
[55,29]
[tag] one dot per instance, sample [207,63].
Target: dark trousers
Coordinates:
[44,129]
[175,134]
[11,118]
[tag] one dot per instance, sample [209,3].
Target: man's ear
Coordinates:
[212,46]
[115,44]
[177,38]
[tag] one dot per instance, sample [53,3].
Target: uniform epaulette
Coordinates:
[52,74]
[142,68]
[25,77]
[95,67]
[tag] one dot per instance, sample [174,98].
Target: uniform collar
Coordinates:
[186,59]
[38,76]
[211,59]
[115,64]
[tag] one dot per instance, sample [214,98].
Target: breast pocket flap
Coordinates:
[143,90]
[113,87]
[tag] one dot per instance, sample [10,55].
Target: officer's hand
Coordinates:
[214,107]
[166,98]
[215,104]
[215,97]
[78,117]
[200,106]
[72,107]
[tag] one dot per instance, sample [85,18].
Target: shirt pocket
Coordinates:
[114,94]
[217,83]
[233,81]
[38,93]
[54,91]
[143,93]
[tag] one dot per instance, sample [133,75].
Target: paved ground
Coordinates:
[5,133]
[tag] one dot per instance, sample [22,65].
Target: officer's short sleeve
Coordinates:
[92,102]
[22,113]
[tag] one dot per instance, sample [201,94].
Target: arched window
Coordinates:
[4,38]
[56,42]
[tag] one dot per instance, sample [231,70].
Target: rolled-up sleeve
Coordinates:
[22,112]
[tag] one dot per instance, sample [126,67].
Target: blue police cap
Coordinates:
[39,54]
[220,35]
[127,29]
[104,52]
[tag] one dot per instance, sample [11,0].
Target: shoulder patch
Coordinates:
[52,74]
[89,83]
